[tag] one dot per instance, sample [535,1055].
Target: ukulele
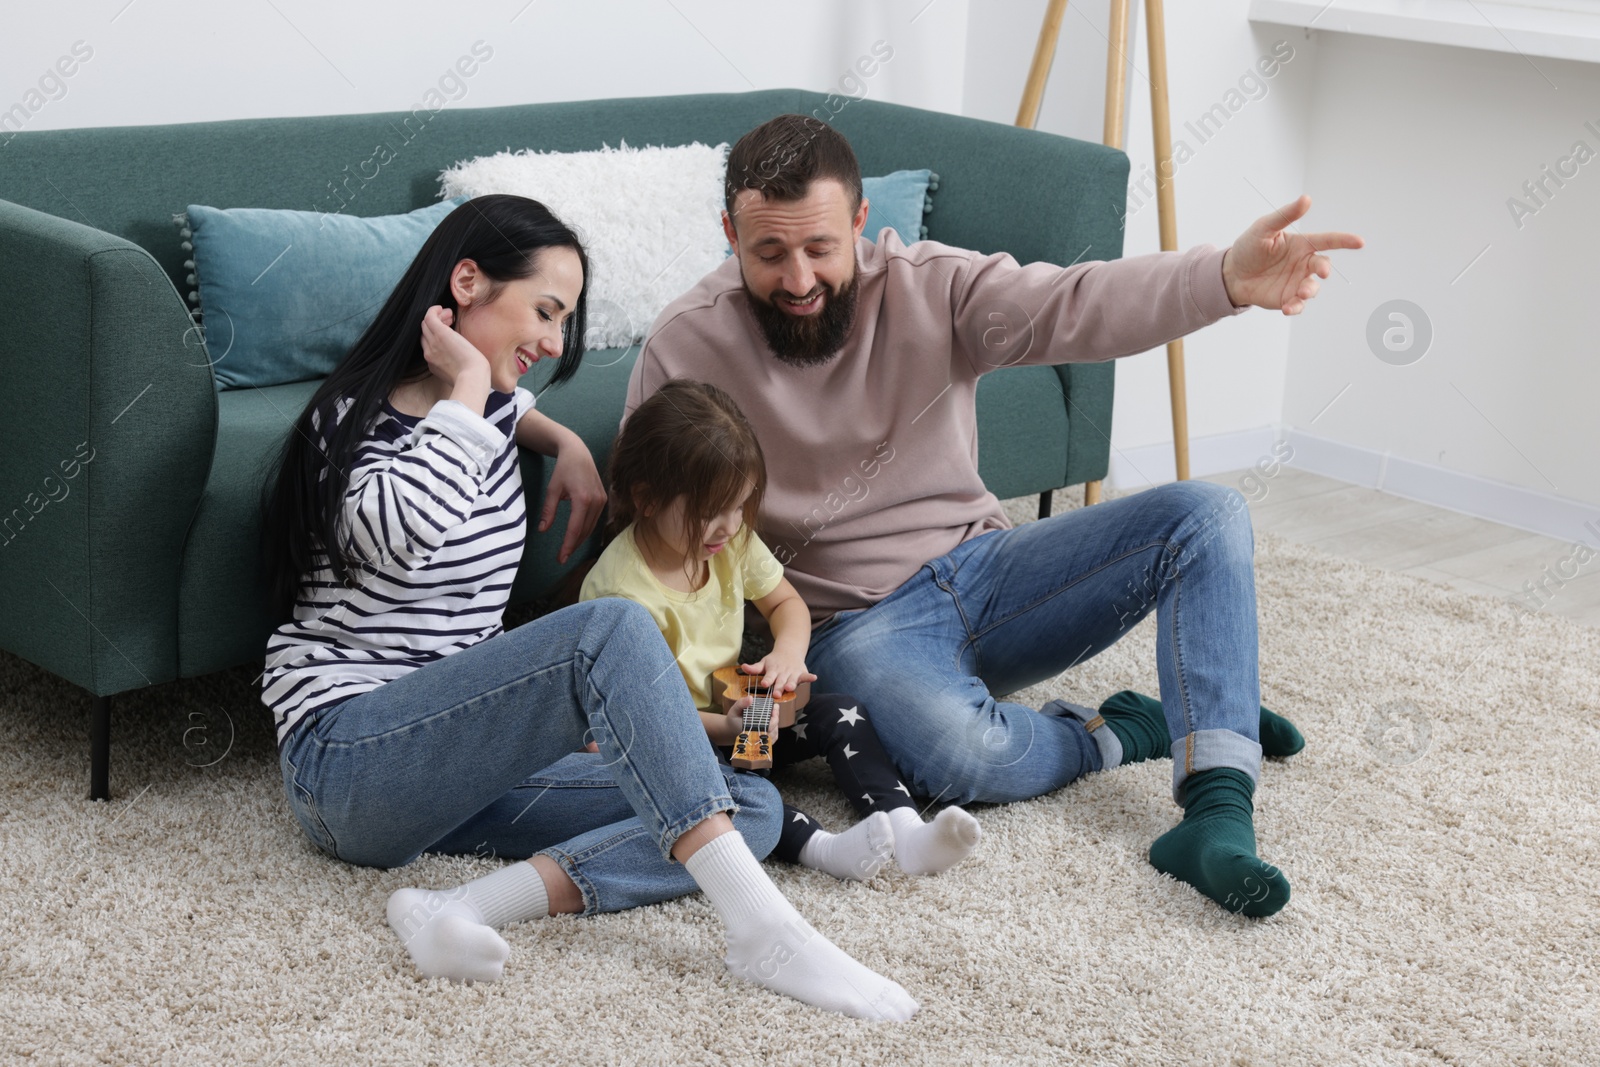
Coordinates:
[752,750]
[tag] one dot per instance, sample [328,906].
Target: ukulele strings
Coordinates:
[760,712]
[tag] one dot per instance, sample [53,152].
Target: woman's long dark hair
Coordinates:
[505,236]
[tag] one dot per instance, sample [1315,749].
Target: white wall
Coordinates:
[160,61]
[1415,147]
[1235,368]
[1418,148]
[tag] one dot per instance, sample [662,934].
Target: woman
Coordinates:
[410,721]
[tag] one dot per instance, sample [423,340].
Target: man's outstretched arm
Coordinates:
[1005,314]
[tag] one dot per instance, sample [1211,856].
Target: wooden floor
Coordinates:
[1402,535]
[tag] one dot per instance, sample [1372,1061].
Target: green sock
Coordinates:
[1139,724]
[1278,735]
[1214,847]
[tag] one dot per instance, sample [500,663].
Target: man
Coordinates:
[857,363]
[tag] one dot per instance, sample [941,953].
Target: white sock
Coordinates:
[932,847]
[771,945]
[857,854]
[450,934]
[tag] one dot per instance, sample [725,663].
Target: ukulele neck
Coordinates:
[758,716]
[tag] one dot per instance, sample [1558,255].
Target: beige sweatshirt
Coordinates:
[872,459]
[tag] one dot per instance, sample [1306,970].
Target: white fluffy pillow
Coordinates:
[649,218]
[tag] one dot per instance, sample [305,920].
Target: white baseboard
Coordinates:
[1554,516]
[1147,465]
[1512,505]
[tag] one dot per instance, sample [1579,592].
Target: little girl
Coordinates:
[686,478]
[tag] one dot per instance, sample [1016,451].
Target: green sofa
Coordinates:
[128,523]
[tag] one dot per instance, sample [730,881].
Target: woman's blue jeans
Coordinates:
[1010,608]
[479,752]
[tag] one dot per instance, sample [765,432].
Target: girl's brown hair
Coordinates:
[689,439]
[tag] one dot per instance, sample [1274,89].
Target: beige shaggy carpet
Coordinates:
[1440,831]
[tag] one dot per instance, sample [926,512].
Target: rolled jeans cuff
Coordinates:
[614,871]
[675,829]
[1105,740]
[572,867]
[1205,750]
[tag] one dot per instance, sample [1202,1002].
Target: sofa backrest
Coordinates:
[1001,188]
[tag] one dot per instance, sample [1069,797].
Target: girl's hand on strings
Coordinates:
[450,356]
[780,671]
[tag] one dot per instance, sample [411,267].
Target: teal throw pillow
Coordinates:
[899,199]
[285,294]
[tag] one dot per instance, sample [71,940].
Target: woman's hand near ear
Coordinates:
[454,359]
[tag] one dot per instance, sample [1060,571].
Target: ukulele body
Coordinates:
[728,685]
[752,749]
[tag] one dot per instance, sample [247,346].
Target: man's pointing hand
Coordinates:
[1272,268]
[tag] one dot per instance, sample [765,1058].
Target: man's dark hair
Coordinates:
[782,157]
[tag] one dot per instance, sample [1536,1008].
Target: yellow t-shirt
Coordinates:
[705,628]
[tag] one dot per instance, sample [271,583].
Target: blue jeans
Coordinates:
[1010,608]
[478,752]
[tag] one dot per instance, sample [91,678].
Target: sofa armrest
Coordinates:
[1090,389]
[107,424]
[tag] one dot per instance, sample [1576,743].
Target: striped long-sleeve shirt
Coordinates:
[435,511]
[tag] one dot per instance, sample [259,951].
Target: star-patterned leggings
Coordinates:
[836,727]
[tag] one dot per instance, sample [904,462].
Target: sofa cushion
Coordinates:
[649,219]
[899,200]
[285,294]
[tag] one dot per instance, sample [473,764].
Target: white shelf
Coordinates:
[1557,29]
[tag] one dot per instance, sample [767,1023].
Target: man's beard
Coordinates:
[808,340]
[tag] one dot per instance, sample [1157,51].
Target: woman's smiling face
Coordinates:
[523,323]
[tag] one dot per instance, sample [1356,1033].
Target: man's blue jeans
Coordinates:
[478,752]
[1010,608]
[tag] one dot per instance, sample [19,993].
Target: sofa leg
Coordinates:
[1044,504]
[1091,493]
[100,749]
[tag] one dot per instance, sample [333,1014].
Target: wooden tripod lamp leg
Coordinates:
[1161,123]
[1156,30]
[1116,87]
[1116,72]
[1044,53]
